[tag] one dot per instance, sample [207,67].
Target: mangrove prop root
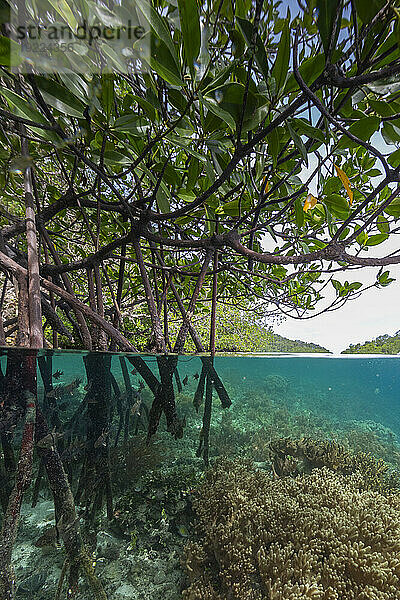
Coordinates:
[64,570]
[11,518]
[199,393]
[207,420]
[97,474]
[68,523]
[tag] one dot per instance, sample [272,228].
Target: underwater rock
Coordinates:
[31,584]
[125,591]
[107,546]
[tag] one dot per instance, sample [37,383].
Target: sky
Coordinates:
[374,313]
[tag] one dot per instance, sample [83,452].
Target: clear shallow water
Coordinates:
[133,491]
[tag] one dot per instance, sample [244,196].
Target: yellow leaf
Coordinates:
[346,182]
[310,202]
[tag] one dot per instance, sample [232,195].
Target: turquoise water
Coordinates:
[131,444]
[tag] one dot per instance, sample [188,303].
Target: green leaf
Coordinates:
[164,63]
[384,279]
[273,145]
[383,224]
[133,124]
[113,157]
[393,210]
[185,143]
[327,10]
[107,93]
[242,8]
[363,129]
[60,97]
[390,133]
[229,99]
[281,66]
[158,25]
[190,26]
[214,107]
[260,55]
[354,286]
[383,109]
[337,205]
[10,52]
[230,208]
[394,158]
[362,238]
[64,10]
[193,172]
[298,142]
[25,110]
[367,9]
[299,213]
[162,201]
[304,128]
[374,240]
[310,69]
[146,106]
[220,76]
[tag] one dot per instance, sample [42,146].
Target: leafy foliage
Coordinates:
[139,178]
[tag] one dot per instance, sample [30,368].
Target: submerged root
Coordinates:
[84,564]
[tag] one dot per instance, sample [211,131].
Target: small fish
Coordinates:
[49,441]
[185,381]
[136,407]
[58,374]
[68,389]
[101,440]
[88,386]
[48,538]
[182,530]
[196,376]
[54,393]
[141,386]
[62,390]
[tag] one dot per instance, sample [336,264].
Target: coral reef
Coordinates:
[276,384]
[374,473]
[159,497]
[314,536]
[136,457]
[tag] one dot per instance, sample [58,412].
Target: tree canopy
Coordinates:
[157,194]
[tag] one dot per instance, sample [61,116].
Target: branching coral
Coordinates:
[314,536]
[375,473]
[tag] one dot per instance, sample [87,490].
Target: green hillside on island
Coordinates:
[239,330]
[383,344]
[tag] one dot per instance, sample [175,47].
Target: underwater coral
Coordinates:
[313,536]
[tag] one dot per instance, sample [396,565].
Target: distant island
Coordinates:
[384,344]
[242,331]
[277,343]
